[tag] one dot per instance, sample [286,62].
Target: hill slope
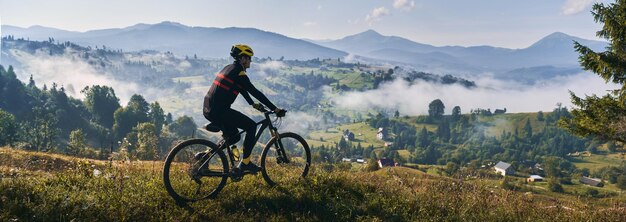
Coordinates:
[31,189]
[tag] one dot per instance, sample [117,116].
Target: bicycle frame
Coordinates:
[265,123]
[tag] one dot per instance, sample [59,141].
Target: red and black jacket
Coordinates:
[228,84]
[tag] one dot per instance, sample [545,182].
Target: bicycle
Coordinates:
[198,169]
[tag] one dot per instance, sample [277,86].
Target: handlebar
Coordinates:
[264,110]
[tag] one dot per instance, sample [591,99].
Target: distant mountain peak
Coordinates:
[556,38]
[370,33]
[558,35]
[170,23]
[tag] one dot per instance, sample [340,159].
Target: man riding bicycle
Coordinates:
[228,84]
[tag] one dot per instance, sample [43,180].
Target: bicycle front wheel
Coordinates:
[195,170]
[285,158]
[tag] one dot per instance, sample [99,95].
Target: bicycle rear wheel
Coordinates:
[279,168]
[195,170]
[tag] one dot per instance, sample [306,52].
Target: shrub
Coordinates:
[554,186]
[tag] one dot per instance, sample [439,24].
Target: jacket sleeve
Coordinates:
[247,86]
[247,97]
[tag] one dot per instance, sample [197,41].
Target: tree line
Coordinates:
[47,119]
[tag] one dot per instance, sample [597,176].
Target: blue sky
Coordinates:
[504,23]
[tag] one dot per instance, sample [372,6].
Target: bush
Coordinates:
[506,184]
[89,153]
[621,182]
[554,186]
[565,180]
[344,166]
[372,165]
[592,192]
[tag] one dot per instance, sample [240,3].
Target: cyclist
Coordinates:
[230,82]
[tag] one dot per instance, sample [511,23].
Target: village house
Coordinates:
[537,166]
[499,111]
[594,182]
[348,136]
[534,178]
[384,162]
[577,154]
[504,169]
[382,133]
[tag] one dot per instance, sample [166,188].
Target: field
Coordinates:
[364,134]
[595,161]
[50,187]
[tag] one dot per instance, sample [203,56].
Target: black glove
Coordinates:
[280,112]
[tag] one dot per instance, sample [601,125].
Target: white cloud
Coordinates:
[310,23]
[413,99]
[271,65]
[349,58]
[266,68]
[183,65]
[149,58]
[573,7]
[74,74]
[404,4]
[300,122]
[376,15]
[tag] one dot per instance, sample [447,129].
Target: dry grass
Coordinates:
[134,192]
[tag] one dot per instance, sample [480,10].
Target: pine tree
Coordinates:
[77,142]
[147,141]
[603,116]
[456,113]
[528,129]
[422,138]
[443,131]
[8,128]
[156,116]
[31,82]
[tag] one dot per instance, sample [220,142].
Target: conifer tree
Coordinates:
[603,116]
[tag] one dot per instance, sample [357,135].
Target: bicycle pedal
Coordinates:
[236,175]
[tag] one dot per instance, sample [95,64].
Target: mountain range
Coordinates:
[182,40]
[551,54]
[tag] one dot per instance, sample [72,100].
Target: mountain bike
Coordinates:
[198,169]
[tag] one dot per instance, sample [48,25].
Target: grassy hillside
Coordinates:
[44,187]
[595,162]
[366,135]
[496,124]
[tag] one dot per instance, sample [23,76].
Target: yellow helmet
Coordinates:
[241,49]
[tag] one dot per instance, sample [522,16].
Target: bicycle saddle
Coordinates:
[211,127]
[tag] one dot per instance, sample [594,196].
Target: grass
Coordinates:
[364,134]
[45,187]
[404,154]
[496,124]
[597,161]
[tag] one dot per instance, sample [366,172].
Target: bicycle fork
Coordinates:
[281,155]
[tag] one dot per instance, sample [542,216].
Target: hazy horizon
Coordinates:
[515,24]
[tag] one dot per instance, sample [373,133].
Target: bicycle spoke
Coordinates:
[287,159]
[193,171]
